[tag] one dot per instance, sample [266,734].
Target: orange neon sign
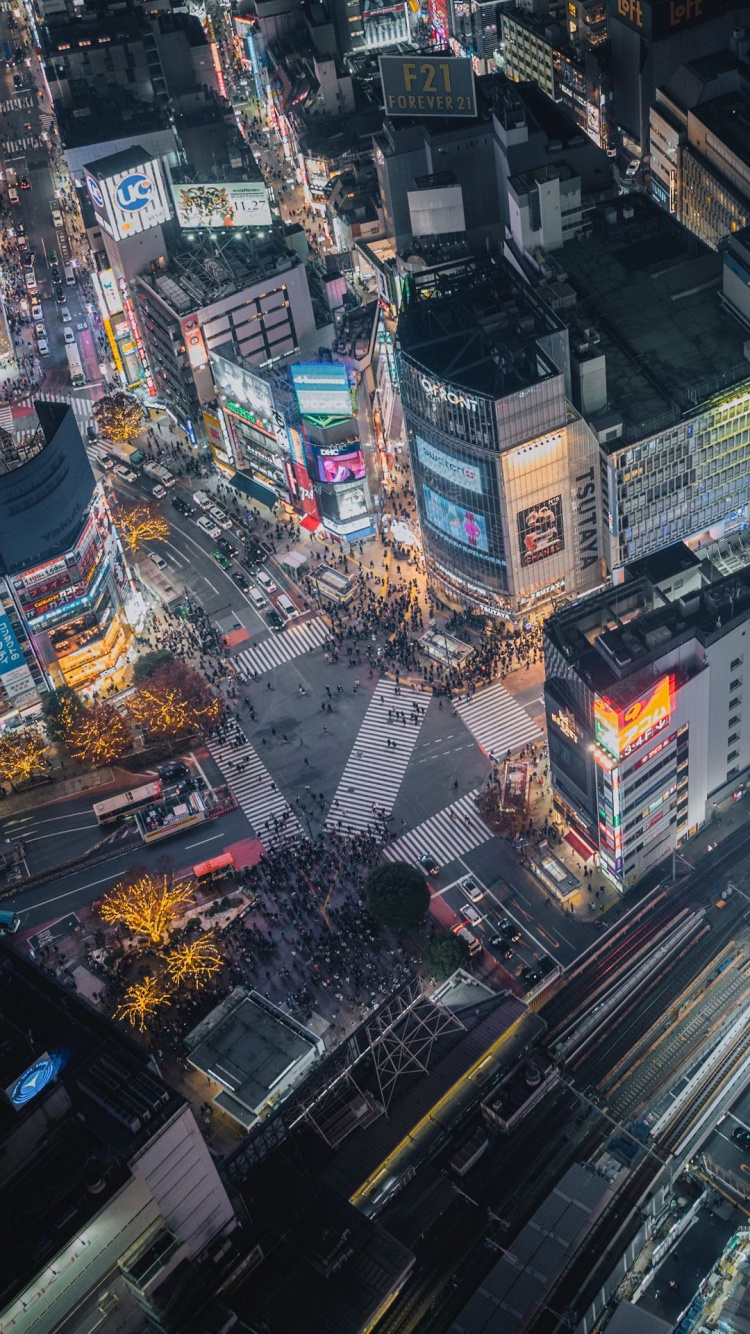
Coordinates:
[622,731]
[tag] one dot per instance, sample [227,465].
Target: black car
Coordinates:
[741,1137]
[59,295]
[274,620]
[530,977]
[91,432]
[248,564]
[17,82]
[502,947]
[182,506]
[172,771]
[24,183]
[19,53]
[226,547]
[28,259]
[509,929]
[240,580]
[546,965]
[55,273]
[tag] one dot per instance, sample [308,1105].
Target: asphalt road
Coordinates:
[25,117]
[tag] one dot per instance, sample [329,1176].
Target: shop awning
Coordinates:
[310,524]
[577,844]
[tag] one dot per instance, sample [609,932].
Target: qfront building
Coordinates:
[505,471]
[64,566]
[647,715]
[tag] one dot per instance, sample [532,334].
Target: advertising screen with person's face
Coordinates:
[348,467]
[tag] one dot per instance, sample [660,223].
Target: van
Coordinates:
[70,277]
[13,195]
[286,605]
[151,471]
[256,596]
[57,218]
[202,499]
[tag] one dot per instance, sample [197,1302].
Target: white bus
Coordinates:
[74,364]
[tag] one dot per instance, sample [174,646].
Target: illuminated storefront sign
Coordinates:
[444,394]
[584,504]
[127,306]
[196,350]
[33,1080]
[322,387]
[565,721]
[622,731]
[464,472]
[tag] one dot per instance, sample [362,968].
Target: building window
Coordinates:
[733,755]
[736,683]
[737,663]
[733,703]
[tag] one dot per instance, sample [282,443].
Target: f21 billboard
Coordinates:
[232,204]
[418,85]
[130,202]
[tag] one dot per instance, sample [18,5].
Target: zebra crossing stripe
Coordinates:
[6,415]
[448,835]
[374,771]
[256,794]
[497,721]
[283,647]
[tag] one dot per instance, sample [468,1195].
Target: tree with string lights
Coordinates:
[194,963]
[98,735]
[60,708]
[146,904]
[118,417]
[141,1002]
[141,522]
[22,754]
[176,701]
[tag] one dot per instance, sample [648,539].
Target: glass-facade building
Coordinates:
[505,473]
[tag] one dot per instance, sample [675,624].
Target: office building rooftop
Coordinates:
[651,292]
[204,267]
[476,325]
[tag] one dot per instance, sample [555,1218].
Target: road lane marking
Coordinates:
[203,840]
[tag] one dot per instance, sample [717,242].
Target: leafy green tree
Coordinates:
[150,662]
[444,954]
[396,894]
[60,709]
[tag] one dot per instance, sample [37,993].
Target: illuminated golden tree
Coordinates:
[142,522]
[22,754]
[146,904]
[118,417]
[98,735]
[141,1002]
[174,701]
[194,962]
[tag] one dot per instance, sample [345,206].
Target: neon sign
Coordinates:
[33,1080]
[620,732]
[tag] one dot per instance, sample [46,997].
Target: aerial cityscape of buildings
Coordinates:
[375,535]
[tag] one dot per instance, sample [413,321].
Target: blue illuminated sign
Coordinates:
[11,656]
[95,191]
[33,1080]
[134,192]
[455,522]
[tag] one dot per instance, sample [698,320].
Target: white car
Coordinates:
[470,888]
[265,581]
[158,560]
[40,331]
[256,596]
[202,499]
[209,527]
[107,463]
[286,606]
[36,312]
[57,219]
[158,491]
[127,474]
[218,516]
[65,315]
[43,346]
[470,914]
[69,336]
[31,280]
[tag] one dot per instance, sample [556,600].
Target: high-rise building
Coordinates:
[644,697]
[64,566]
[114,1213]
[505,472]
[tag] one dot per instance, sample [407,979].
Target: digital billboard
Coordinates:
[336,467]
[540,530]
[131,201]
[242,386]
[418,85]
[345,503]
[622,731]
[454,521]
[227,204]
[322,388]
[451,467]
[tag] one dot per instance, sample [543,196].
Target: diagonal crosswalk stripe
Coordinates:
[283,647]
[256,794]
[447,835]
[497,721]
[374,771]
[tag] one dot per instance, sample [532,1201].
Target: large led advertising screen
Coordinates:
[241,386]
[227,204]
[454,521]
[322,389]
[540,530]
[337,468]
[451,467]
[129,202]
[622,731]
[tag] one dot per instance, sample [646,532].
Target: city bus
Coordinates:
[125,803]
[74,364]
[217,868]
[332,585]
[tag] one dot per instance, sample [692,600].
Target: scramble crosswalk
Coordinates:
[283,647]
[374,771]
[497,721]
[448,835]
[256,794]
